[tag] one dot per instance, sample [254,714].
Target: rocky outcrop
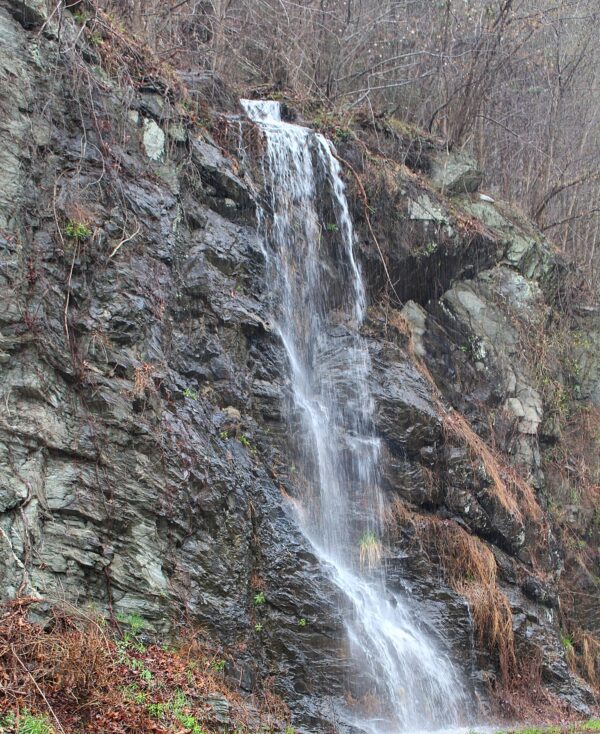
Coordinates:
[142,448]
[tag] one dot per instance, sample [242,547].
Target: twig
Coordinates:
[68,298]
[127,239]
[35,683]
[62,242]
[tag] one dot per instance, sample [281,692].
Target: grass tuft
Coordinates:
[369,549]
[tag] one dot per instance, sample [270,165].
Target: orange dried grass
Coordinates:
[469,567]
[75,671]
[72,659]
[512,491]
[587,656]
[143,379]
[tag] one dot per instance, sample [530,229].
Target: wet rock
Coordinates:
[124,481]
[416,316]
[220,707]
[29,13]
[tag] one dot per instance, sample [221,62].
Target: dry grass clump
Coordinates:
[587,656]
[512,492]
[71,660]
[369,549]
[469,567]
[575,461]
[77,673]
[143,379]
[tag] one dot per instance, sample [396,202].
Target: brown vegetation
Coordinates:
[82,674]
[469,567]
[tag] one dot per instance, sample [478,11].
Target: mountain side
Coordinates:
[145,460]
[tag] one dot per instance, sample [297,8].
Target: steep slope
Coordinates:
[144,453]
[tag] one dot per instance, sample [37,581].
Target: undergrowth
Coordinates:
[79,673]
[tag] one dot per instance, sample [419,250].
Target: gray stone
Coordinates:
[425,210]
[29,13]
[523,248]
[455,173]
[154,140]
[416,317]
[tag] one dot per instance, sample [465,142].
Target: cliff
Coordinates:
[145,461]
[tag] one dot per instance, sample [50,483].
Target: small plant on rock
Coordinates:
[158,710]
[369,548]
[218,665]
[134,622]
[259,598]
[77,230]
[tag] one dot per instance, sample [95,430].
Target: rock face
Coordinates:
[142,449]
[455,173]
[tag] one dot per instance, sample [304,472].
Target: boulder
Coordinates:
[455,172]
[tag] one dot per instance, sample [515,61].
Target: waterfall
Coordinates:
[308,239]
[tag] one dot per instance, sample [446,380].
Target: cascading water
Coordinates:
[308,237]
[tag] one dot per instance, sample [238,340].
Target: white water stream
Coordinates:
[308,236]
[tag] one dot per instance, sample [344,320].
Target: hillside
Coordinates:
[151,473]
